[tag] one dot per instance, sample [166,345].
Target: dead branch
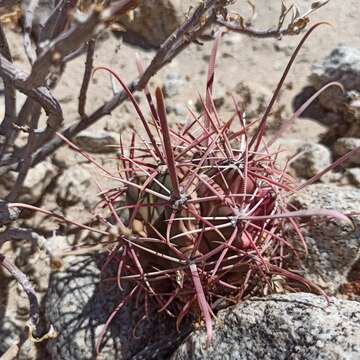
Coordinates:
[262,34]
[22,279]
[9,89]
[57,21]
[28,8]
[202,17]
[297,21]
[41,94]
[26,163]
[21,234]
[71,40]
[7,214]
[87,76]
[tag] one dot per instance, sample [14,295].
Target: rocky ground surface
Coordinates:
[248,69]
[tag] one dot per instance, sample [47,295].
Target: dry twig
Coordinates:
[87,76]
[22,279]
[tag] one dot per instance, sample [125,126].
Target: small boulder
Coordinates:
[333,245]
[36,182]
[342,65]
[253,98]
[72,185]
[172,84]
[353,176]
[312,158]
[280,327]
[154,20]
[97,142]
[344,145]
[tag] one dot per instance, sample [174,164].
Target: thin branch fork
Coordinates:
[41,94]
[20,234]
[70,41]
[262,34]
[175,43]
[57,21]
[22,279]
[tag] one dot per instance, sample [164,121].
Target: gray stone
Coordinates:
[281,327]
[97,141]
[333,244]
[172,84]
[154,20]
[253,98]
[178,110]
[10,332]
[311,160]
[7,214]
[37,180]
[218,97]
[343,65]
[78,306]
[353,176]
[72,186]
[286,148]
[346,144]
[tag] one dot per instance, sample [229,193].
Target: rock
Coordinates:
[154,20]
[353,176]
[287,148]
[172,84]
[72,185]
[10,332]
[353,115]
[97,142]
[36,182]
[7,215]
[279,327]
[311,160]
[219,96]
[178,110]
[333,244]
[78,306]
[343,65]
[252,98]
[346,144]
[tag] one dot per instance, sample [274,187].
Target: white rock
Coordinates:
[97,142]
[311,160]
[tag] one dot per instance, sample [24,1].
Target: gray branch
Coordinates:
[87,77]
[22,279]
[57,21]
[10,93]
[71,40]
[175,43]
[21,234]
[28,8]
[262,34]
[41,94]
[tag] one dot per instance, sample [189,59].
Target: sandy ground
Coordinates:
[257,63]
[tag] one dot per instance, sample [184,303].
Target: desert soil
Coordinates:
[257,63]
